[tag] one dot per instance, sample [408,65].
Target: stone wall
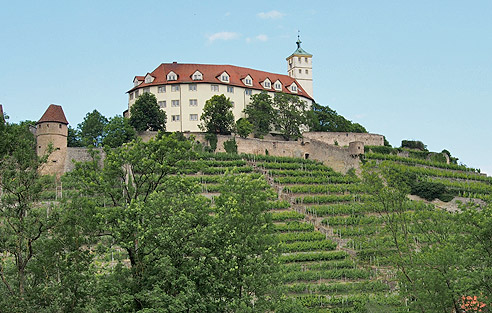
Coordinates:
[343,139]
[336,157]
[79,155]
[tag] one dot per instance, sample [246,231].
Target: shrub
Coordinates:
[230,146]
[212,140]
[413,144]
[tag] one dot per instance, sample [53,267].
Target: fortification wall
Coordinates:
[339,158]
[343,139]
[79,155]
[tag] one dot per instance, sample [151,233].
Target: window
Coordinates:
[248,81]
[278,86]
[305,59]
[230,89]
[293,88]
[146,89]
[148,79]
[136,94]
[131,95]
[175,118]
[172,76]
[267,84]
[300,71]
[233,104]
[59,126]
[175,103]
[215,87]
[193,102]
[175,88]
[162,104]
[307,72]
[193,117]
[161,89]
[197,76]
[192,87]
[299,59]
[225,78]
[248,92]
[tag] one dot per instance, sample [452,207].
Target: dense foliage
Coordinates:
[325,119]
[145,114]
[217,116]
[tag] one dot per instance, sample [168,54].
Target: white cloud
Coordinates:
[272,14]
[223,36]
[262,37]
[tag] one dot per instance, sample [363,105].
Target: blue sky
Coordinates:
[418,70]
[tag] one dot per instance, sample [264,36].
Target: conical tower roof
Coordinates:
[54,113]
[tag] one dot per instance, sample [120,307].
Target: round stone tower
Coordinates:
[52,129]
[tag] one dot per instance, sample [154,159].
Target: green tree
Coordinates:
[247,253]
[244,127]
[73,139]
[325,119]
[92,129]
[23,223]
[290,115]
[260,113]
[217,116]
[145,114]
[118,131]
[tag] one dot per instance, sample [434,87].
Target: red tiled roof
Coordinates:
[54,113]
[211,74]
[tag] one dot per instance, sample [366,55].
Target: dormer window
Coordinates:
[136,82]
[148,78]
[277,85]
[267,84]
[172,76]
[224,77]
[197,76]
[293,88]
[248,81]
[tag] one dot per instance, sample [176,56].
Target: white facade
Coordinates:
[300,67]
[183,103]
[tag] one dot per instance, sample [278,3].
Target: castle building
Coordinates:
[182,89]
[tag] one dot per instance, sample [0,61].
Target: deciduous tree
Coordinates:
[145,114]
[260,113]
[92,129]
[290,115]
[217,116]
[118,131]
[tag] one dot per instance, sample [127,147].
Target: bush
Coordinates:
[230,146]
[244,127]
[212,140]
[429,190]
[413,144]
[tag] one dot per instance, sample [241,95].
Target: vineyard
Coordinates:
[336,250]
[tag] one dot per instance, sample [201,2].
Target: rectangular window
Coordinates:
[162,104]
[267,85]
[193,102]
[230,89]
[175,118]
[175,88]
[193,117]
[300,71]
[299,59]
[307,72]
[146,89]
[192,87]
[131,95]
[278,87]
[233,104]
[305,59]
[161,89]
[215,87]
[248,81]
[175,103]
[225,78]
[248,92]
[136,93]
[197,76]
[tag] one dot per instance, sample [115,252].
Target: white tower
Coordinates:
[300,67]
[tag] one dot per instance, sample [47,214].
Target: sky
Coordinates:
[409,70]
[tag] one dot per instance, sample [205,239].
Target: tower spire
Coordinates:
[298,42]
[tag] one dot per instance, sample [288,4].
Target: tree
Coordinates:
[244,127]
[118,131]
[260,113]
[217,116]
[92,129]
[23,223]
[73,139]
[246,248]
[145,114]
[325,119]
[290,115]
